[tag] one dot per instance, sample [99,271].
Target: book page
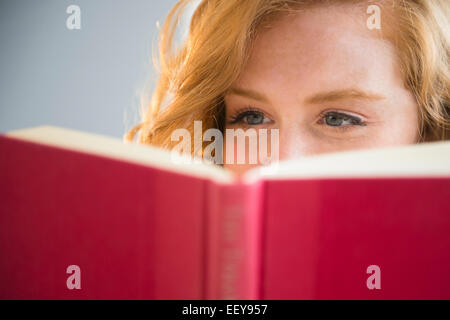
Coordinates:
[116,148]
[424,159]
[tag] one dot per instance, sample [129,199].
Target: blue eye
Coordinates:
[250,117]
[337,119]
[255,118]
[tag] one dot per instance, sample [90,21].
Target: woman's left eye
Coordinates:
[338,119]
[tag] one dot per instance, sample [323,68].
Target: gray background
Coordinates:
[86,79]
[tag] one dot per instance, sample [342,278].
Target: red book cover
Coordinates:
[321,238]
[84,217]
[135,232]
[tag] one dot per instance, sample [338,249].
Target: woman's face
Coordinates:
[326,82]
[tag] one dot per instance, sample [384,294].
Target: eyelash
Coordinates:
[241,114]
[356,121]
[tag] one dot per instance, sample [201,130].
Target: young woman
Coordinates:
[329,75]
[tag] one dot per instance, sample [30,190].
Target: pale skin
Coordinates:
[327,83]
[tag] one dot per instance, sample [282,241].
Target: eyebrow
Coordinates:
[336,95]
[248,93]
[321,97]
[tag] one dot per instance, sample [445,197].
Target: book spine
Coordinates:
[233,241]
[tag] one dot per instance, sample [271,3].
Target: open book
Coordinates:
[84,216]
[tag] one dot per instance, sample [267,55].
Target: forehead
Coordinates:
[321,46]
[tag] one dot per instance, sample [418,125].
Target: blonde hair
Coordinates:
[198,73]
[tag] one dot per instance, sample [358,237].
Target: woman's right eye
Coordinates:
[251,118]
